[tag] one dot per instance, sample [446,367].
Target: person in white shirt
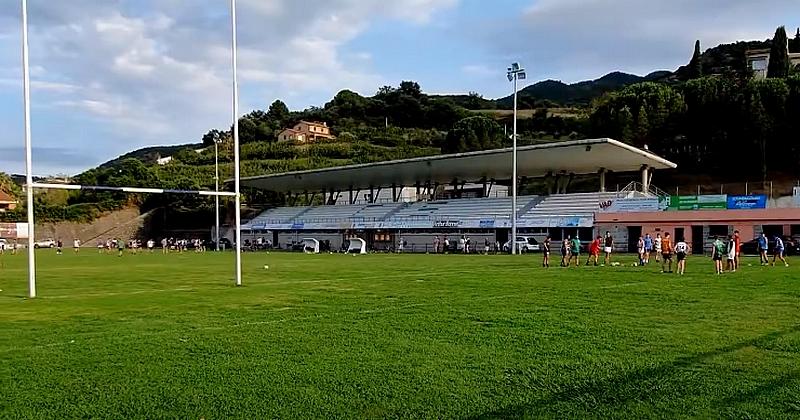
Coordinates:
[681,249]
[76,245]
[657,247]
[150,245]
[778,252]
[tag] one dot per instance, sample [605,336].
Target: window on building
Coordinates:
[718,230]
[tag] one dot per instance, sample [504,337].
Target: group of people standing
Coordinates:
[463,245]
[571,250]
[663,249]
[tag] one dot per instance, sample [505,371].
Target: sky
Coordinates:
[111,76]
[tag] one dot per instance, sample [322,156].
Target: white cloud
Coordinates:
[478,70]
[163,74]
[578,39]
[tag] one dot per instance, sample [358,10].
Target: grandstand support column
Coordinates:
[377,193]
[602,173]
[645,178]
[417,186]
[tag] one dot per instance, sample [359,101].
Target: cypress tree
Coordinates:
[779,55]
[696,66]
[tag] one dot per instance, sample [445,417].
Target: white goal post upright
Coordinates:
[30,185]
[236,174]
[26,93]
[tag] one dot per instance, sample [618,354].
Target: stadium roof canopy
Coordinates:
[578,157]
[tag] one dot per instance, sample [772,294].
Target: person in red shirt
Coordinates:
[737,242]
[594,250]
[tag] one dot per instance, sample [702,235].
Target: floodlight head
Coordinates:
[514,66]
[510,77]
[521,75]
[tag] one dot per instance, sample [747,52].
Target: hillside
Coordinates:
[692,122]
[152,153]
[576,94]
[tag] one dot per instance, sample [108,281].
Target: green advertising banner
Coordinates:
[698,202]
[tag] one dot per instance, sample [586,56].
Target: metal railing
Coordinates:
[637,187]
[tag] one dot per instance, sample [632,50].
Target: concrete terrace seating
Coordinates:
[464,208]
[331,213]
[371,212]
[278,215]
[579,204]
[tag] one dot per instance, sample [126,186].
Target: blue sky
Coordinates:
[110,76]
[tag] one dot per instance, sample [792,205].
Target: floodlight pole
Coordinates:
[26,93]
[514,176]
[514,72]
[236,174]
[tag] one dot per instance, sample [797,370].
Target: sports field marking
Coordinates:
[614,286]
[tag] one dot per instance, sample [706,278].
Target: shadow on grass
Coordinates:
[636,385]
[764,389]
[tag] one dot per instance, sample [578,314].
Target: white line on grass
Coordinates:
[614,286]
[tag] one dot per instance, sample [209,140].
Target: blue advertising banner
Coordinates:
[747,202]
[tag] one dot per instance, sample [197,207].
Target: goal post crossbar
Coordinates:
[131,189]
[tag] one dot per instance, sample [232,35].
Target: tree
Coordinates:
[385,91]
[410,88]
[247,130]
[779,55]
[695,65]
[208,138]
[796,47]
[625,124]
[278,112]
[473,133]
[642,126]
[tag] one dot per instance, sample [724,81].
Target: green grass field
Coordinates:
[336,336]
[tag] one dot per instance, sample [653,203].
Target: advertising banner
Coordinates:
[14,230]
[698,202]
[630,205]
[747,202]
[425,223]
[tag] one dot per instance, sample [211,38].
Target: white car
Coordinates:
[524,244]
[47,243]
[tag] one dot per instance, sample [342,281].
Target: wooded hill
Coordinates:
[707,116]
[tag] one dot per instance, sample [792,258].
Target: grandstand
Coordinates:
[428,214]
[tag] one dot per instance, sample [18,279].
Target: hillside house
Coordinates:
[758,60]
[306,132]
[7,202]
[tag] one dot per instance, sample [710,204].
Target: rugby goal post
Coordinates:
[30,185]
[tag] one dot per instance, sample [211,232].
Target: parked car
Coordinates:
[791,246]
[47,243]
[523,244]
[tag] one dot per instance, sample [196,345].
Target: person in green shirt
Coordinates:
[575,251]
[120,246]
[717,253]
